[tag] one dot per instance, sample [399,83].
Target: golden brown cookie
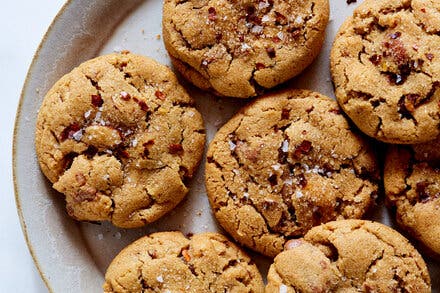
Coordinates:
[170,262]
[349,256]
[119,136]
[412,186]
[385,64]
[240,48]
[285,163]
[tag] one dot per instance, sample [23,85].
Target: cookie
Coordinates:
[385,65]
[412,187]
[240,48]
[349,256]
[170,262]
[119,137]
[285,163]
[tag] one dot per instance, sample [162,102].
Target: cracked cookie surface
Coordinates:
[385,65]
[285,163]
[170,262]
[412,186]
[240,48]
[119,137]
[349,256]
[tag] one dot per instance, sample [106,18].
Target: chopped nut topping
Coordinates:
[81,179]
[86,193]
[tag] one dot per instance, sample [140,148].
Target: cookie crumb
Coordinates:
[351,1]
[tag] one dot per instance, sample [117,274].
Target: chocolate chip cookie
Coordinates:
[349,256]
[119,137]
[385,64]
[170,262]
[240,48]
[285,163]
[412,186]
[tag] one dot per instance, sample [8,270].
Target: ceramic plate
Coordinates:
[71,256]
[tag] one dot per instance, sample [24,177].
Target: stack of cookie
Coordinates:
[289,176]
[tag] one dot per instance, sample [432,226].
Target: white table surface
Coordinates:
[22,26]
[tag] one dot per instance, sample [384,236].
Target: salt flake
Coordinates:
[283,288]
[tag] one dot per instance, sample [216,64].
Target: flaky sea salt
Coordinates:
[265,18]
[118,235]
[245,47]
[276,167]
[78,135]
[87,114]
[298,19]
[100,236]
[298,194]
[280,35]
[257,29]
[288,181]
[285,146]
[159,279]
[134,142]
[232,145]
[263,4]
[283,288]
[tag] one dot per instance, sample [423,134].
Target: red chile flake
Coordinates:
[421,191]
[160,95]
[272,180]
[69,131]
[97,101]
[212,14]
[259,66]
[375,59]
[303,148]
[125,96]
[285,113]
[411,101]
[143,106]
[276,39]
[280,18]
[429,56]
[302,181]
[271,52]
[175,148]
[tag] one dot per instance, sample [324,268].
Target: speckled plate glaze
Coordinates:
[71,256]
